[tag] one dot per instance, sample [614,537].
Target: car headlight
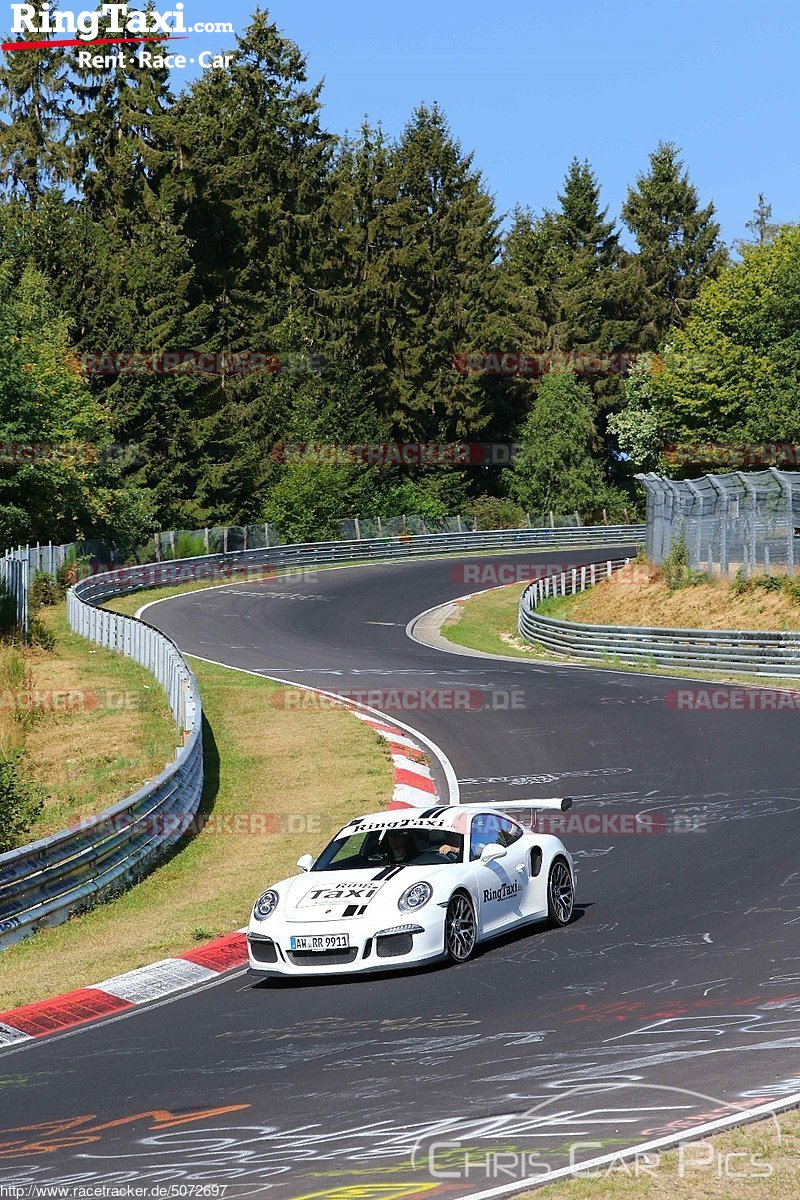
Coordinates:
[415,896]
[265,905]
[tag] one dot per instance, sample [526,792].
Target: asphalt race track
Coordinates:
[672,998]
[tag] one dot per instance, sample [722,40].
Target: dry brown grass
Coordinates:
[637,595]
[91,726]
[488,623]
[292,777]
[767,1168]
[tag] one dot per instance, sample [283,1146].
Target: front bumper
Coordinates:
[374,948]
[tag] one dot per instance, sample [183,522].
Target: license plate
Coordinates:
[320,942]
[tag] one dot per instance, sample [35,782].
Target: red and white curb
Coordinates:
[413,787]
[123,992]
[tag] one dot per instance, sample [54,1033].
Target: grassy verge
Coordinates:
[640,595]
[764,1165]
[279,781]
[488,623]
[88,725]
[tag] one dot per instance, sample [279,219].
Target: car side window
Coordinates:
[485,830]
[509,831]
[488,829]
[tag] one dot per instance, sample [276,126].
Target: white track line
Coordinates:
[453,790]
[742,1117]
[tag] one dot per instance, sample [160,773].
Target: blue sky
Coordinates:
[527,84]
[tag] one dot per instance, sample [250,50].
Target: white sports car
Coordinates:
[396,889]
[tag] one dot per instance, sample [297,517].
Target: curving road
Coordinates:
[672,999]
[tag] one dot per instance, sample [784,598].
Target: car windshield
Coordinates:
[391,847]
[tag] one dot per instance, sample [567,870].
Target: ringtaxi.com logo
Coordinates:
[115,25]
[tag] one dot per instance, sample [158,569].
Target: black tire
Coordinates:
[460,928]
[560,894]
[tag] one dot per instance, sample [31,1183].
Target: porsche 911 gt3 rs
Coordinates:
[396,889]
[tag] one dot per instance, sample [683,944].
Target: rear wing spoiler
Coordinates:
[563,805]
[556,805]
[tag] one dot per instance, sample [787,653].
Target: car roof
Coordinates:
[454,816]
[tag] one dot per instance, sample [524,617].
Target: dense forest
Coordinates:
[207,297]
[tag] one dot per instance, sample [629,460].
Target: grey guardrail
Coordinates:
[239,563]
[49,880]
[741,651]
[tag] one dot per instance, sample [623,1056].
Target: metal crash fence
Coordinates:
[225,539]
[731,650]
[243,564]
[14,580]
[740,520]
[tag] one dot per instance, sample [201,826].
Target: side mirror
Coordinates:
[305,862]
[492,852]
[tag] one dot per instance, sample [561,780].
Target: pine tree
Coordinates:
[158,411]
[590,250]
[120,138]
[350,299]
[33,93]
[678,245]
[557,470]
[442,287]
[760,225]
[129,288]
[563,268]
[252,163]
[566,274]
[534,259]
[249,179]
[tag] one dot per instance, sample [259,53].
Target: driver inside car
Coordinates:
[403,847]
